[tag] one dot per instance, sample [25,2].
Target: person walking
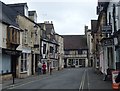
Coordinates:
[39,67]
[44,68]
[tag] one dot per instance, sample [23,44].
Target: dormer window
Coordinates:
[26,11]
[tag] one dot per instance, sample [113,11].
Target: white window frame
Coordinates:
[24,62]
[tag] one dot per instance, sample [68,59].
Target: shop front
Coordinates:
[9,63]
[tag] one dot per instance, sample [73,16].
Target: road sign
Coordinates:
[114,75]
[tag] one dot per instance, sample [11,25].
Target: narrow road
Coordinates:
[66,79]
[70,78]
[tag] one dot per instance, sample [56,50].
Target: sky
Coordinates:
[69,16]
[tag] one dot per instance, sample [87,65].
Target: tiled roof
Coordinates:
[8,15]
[75,41]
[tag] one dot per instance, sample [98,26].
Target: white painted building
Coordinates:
[75,51]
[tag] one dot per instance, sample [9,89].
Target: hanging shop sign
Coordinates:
[107,29]
[108,42]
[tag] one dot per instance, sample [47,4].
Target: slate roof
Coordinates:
[8,15]
[19,7]
[48,31]
[41,25]
[75,42]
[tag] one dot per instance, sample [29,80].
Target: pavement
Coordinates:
[18,81]
[94,80]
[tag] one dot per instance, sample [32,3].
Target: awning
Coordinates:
[26,51]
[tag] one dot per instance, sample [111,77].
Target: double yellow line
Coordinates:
[82,81]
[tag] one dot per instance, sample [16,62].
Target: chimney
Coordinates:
[46,22]
[86,28]
[51,22]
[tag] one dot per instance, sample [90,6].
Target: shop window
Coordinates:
[76,62]
[70,62]
[24,62]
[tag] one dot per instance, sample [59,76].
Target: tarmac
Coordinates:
[94,76]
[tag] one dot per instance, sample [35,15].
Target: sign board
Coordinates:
[108,42]
[114,75]
[107,29]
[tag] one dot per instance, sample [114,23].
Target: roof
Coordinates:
[75,42]
[8,15]
[41,25]
[19,7]
[49,29]
[17,4]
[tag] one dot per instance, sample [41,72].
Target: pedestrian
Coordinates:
[44,68]
[117,80]
[39,67]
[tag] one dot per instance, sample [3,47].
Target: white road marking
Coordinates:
[83,81]
[88,81]
[28,82]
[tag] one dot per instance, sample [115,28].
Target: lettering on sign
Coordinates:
[107,29]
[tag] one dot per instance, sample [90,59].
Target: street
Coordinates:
[70,78]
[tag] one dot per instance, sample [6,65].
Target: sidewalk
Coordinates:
[18,81]
[97,79]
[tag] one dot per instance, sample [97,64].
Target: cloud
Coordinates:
[68,17]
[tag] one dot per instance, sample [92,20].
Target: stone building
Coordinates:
[10,40]
[30,41]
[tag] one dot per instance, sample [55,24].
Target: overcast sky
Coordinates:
[68,16]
